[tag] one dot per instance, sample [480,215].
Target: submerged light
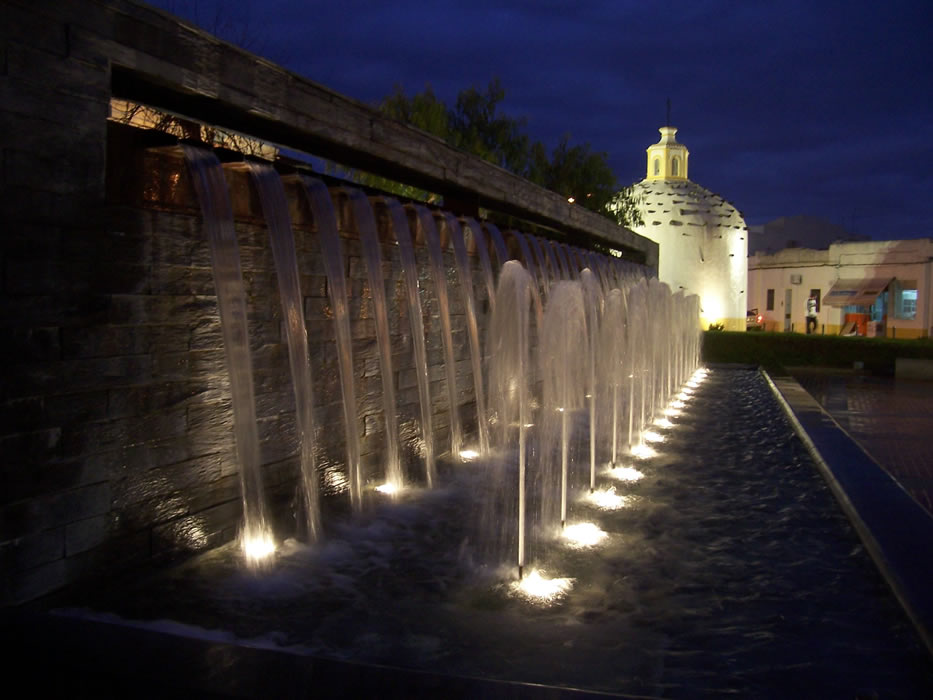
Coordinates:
[643,452]
[663,422]
[538,589]
[388,488]
[580,535]
[606,499]
[468,455]
[625,473]
[651,436]
[259,547]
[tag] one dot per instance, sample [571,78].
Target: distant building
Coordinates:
[797,232]
[862,287]
[701,237]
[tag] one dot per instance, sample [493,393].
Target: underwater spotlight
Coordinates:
[625,473]
[468,455]
[643,452]
[580,535]
[651,436]
[663,423]
[388,489]
[258,548]
[538,589]
[606,499]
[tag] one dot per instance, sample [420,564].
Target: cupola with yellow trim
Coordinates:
[701,237]
[667,159]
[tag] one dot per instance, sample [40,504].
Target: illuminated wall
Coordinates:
[703,239]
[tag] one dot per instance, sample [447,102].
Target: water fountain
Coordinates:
[208,180]
[725,568]
[491,572]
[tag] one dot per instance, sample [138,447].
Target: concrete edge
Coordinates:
[110,658]
[896,530]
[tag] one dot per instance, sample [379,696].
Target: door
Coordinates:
[788,307]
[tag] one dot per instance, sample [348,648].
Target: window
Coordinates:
[675,166]
[819,301]
[657,166]
[905,299]
[770,305]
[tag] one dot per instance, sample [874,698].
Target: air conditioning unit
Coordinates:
[796,279]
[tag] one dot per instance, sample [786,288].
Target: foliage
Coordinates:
[775,351]
[476,125]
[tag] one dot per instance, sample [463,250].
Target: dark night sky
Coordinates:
[818,107]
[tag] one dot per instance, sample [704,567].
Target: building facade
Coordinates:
[872,288]
[702,238]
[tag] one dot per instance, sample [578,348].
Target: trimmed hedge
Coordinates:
[775,351]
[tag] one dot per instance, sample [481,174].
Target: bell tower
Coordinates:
[667,159]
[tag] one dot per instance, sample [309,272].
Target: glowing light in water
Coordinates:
[388,489]
[678,404]
[687,390]
[606,499]
[643,452]
[580,535]
[671,412]
[683,396]
[258,548]
[651,436]
[663,423]
[693,383]
[538,589]
[468,455]
[625,473]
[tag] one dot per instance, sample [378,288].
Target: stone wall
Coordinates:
[116,446]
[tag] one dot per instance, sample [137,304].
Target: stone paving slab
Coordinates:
[897,530]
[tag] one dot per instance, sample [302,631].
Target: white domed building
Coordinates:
[702,238]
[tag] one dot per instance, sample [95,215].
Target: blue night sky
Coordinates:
[818,107]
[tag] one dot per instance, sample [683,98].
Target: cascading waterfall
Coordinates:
[612,336]
[372,254]
[561,259]
[557,273]
[275,210]
[562,363]
[479,241]
[438,272]
[325,221]
[211,188]
[509,382]
[590,348]
[409,264]
[541,263]
[530,265]
[469,308]
[502,253]
[593,299]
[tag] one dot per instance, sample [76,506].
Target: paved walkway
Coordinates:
[891,419]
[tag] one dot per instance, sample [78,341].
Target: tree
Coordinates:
[475,125]
[477,128]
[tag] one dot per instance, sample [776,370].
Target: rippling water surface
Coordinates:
[731,569]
